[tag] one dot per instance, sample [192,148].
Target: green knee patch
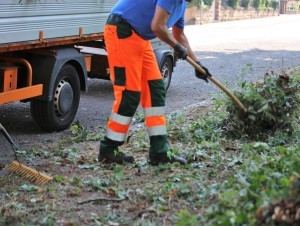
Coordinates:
[157,92]
[120,76]
[129,103]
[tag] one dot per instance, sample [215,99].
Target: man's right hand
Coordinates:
[180,51]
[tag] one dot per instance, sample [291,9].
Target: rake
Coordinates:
[26,172]
[214,80]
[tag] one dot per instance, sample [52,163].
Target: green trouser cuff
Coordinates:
[158,145]
[108,145]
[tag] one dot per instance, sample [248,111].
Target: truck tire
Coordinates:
[58,113]
[166,71]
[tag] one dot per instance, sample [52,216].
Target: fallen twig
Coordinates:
[101,199]
[142,213]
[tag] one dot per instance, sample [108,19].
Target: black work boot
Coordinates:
[115,157]
[165,157]
[109,152]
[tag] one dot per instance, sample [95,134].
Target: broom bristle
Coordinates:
[28,173]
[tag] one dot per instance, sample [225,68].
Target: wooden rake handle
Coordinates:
[214,80]
[5,134]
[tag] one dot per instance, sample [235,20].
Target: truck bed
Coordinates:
[38,23]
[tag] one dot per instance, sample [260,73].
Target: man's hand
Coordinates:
[180,51]
[201,75]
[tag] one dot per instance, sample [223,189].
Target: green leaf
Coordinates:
[26,187]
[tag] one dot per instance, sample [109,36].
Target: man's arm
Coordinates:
[179,35]
[159,27]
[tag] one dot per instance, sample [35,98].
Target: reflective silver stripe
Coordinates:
[115,136]
[123,120]
[155,111]
[157,130]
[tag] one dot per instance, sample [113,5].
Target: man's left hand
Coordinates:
[180,51]
[202,75]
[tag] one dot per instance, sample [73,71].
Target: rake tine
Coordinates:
[24,171]
[28,173]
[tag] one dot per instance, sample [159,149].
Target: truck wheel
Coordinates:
[59,113]
[166,71]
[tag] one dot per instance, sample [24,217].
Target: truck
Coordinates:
[49,49]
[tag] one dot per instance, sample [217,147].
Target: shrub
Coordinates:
[263,4]
[274,4]
[245,3]
[271,105]
[233,3]
[256,4]
[198,3]
[208,2]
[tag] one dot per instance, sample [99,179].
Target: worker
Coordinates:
[136,76]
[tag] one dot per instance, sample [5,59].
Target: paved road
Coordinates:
[233,51]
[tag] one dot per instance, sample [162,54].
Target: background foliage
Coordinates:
[235,4]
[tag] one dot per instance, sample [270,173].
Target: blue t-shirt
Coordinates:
[139,14]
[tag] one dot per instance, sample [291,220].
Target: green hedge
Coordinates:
[198,3]
[265,4]
[233,3]
[257,4]
[274,4]
[245,3]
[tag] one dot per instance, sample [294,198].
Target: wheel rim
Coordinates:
[165,73]
[63,98]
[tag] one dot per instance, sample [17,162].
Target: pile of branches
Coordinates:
[271,104]
[283,212]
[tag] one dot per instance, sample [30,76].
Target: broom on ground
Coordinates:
[26,172]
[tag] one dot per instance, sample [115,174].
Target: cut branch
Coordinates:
[101,199]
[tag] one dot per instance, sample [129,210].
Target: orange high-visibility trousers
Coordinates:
[136,79]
